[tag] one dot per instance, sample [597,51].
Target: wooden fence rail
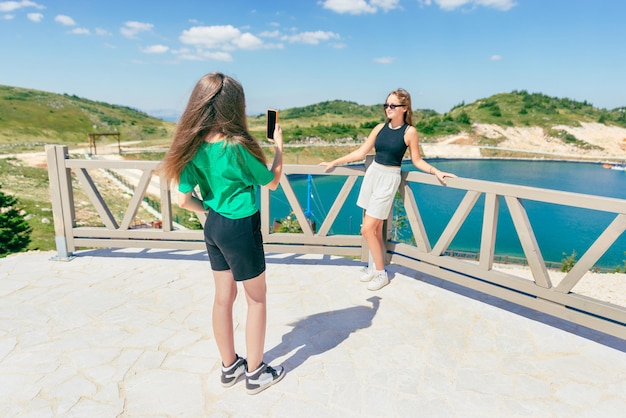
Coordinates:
[539,293]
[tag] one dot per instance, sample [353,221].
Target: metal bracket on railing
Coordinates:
[62,253]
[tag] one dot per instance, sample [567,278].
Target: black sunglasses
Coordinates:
[392,106]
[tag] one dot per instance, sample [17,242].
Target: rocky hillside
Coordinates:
[588,141]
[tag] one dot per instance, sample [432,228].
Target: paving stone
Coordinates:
[128,333]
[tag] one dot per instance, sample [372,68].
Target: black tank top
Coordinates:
[390,145]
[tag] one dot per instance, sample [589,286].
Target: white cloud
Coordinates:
[495,57]
[217,55]
[201,55]
[8,17]
[225,37]
[35,17]
[357,7]
[102,32]
[353,7]
[384,60]
[132,28]
[9,6]
[79,31]
[155,49]
[64,20]
[312,38]
[216,42]
[270,34]
[386,5]
[248,41]
[497,4]
[455,4]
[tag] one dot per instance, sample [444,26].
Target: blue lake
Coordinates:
[560,230]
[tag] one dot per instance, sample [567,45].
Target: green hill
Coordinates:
[518,108]
[30,118]
[327,120]
[337,119]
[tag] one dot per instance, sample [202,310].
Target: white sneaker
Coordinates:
[379,280]
[231,374]
[263,377]
[367,274]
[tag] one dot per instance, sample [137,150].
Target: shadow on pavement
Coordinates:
[318,333]
[290,259]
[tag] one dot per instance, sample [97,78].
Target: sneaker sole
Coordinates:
[262,388]
[378,287]
[230,384]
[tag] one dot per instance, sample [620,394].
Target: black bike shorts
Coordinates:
[235,244]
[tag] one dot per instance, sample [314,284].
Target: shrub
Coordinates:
[568,262]
[289,224]
[14,229]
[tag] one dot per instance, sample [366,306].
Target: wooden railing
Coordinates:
[539,293]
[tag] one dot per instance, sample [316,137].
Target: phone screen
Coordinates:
[272,118]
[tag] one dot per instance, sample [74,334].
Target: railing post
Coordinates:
[60,180]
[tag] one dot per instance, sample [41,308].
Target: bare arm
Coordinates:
[357,154]
[411,138]
[277,165]
[190,202]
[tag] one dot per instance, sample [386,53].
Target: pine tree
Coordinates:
[14,229]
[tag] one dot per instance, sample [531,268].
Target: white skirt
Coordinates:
[378,189]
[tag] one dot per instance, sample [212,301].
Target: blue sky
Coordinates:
[287,53]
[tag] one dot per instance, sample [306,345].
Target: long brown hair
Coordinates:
[216,105]
[405,99]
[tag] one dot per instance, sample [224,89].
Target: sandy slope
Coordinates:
[610,140]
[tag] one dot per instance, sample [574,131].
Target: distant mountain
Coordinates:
[168,115]
[33,116]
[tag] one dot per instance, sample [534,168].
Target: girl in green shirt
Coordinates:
[213,151]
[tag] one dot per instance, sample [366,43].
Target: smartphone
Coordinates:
[272,119]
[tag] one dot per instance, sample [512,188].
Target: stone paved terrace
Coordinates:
[127,333]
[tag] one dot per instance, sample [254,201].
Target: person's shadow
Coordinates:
[321,332]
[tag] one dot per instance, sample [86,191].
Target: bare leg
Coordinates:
[256,290]
[372,231]
[225,294]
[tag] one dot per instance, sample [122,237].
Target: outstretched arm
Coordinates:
[357,154]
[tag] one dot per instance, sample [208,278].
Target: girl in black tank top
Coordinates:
[391,140]
[390,146]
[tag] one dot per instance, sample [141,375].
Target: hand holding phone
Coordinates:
[272,119]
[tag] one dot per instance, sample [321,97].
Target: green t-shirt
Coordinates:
[228,176]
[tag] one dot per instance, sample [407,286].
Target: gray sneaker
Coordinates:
[367,274]
[379,281]
[231,374]
[263,377]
